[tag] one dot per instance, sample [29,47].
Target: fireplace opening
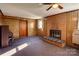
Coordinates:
[55,34]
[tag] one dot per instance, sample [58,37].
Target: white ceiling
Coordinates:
[34,10]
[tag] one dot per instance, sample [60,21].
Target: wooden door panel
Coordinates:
[23,28]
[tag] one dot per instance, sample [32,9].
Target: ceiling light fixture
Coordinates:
[55,6]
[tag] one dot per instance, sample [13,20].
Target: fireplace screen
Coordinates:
[55,34]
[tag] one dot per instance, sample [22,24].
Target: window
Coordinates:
[40,24]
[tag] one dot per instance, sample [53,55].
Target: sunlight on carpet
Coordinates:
[14,50]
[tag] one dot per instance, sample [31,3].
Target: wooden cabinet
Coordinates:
[4,32]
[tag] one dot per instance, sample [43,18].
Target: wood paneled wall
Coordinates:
[66,22]
[1,17]
[13,26]
[72,19]
[32,29]
[13,23]
[0,20]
